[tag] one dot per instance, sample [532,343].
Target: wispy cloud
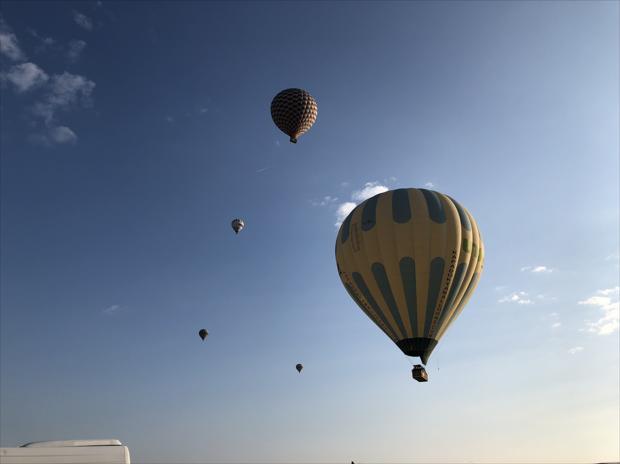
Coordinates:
[24,76]
[429,185]
[615,257]
[64,91]
[9,45]
[111,309]
[537,269]
[607,301]
[169,118]
[44,42]
[82,20]
[546,298]
[75,49]
[262,169]
[575,349]
[517,298]
[554,319]
[62,134]
[326,200]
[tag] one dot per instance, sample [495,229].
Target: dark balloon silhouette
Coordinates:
[294,112]
[237,225]
[202,333]
[299,367]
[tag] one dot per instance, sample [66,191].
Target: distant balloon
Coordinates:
[410,259]
[202,333]
[299,367]
[237,225]
[294,112]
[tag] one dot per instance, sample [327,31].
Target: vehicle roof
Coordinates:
[68,443]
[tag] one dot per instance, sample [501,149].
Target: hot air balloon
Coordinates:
[237,225]
[410,259]
[202,333]
[294,112]
[299,367]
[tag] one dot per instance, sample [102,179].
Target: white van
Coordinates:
[67,452]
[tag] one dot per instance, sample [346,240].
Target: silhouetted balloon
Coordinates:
[410,259]
[237,225]
[203,333]
[299,367]
[294,112]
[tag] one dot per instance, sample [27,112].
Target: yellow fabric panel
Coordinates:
[390,234]
[477,273]
[360,250]
[471,258]
[420,229]
[449,249]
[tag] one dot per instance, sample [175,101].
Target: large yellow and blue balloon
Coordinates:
[410,259]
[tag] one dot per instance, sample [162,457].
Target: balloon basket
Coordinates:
[419,373]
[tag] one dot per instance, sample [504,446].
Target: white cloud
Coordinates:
[537,269]
[111,309]
[25,76]
[516,297]
[343,211]
[203,110]
[429,185]
[607,301]
[82,20]
[575,349]
[62,134]
[75,49]
[556,325]
[8,43]
[169,119]
[369,190]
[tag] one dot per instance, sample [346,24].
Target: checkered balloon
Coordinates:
[294,112]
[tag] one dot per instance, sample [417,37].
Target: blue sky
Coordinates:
[133,133]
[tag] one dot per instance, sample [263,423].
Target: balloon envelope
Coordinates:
[299,367]
[294,111]
[237,225]
[410,259]
[202,333]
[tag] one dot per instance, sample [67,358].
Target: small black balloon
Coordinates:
[299,367]
[203,333]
